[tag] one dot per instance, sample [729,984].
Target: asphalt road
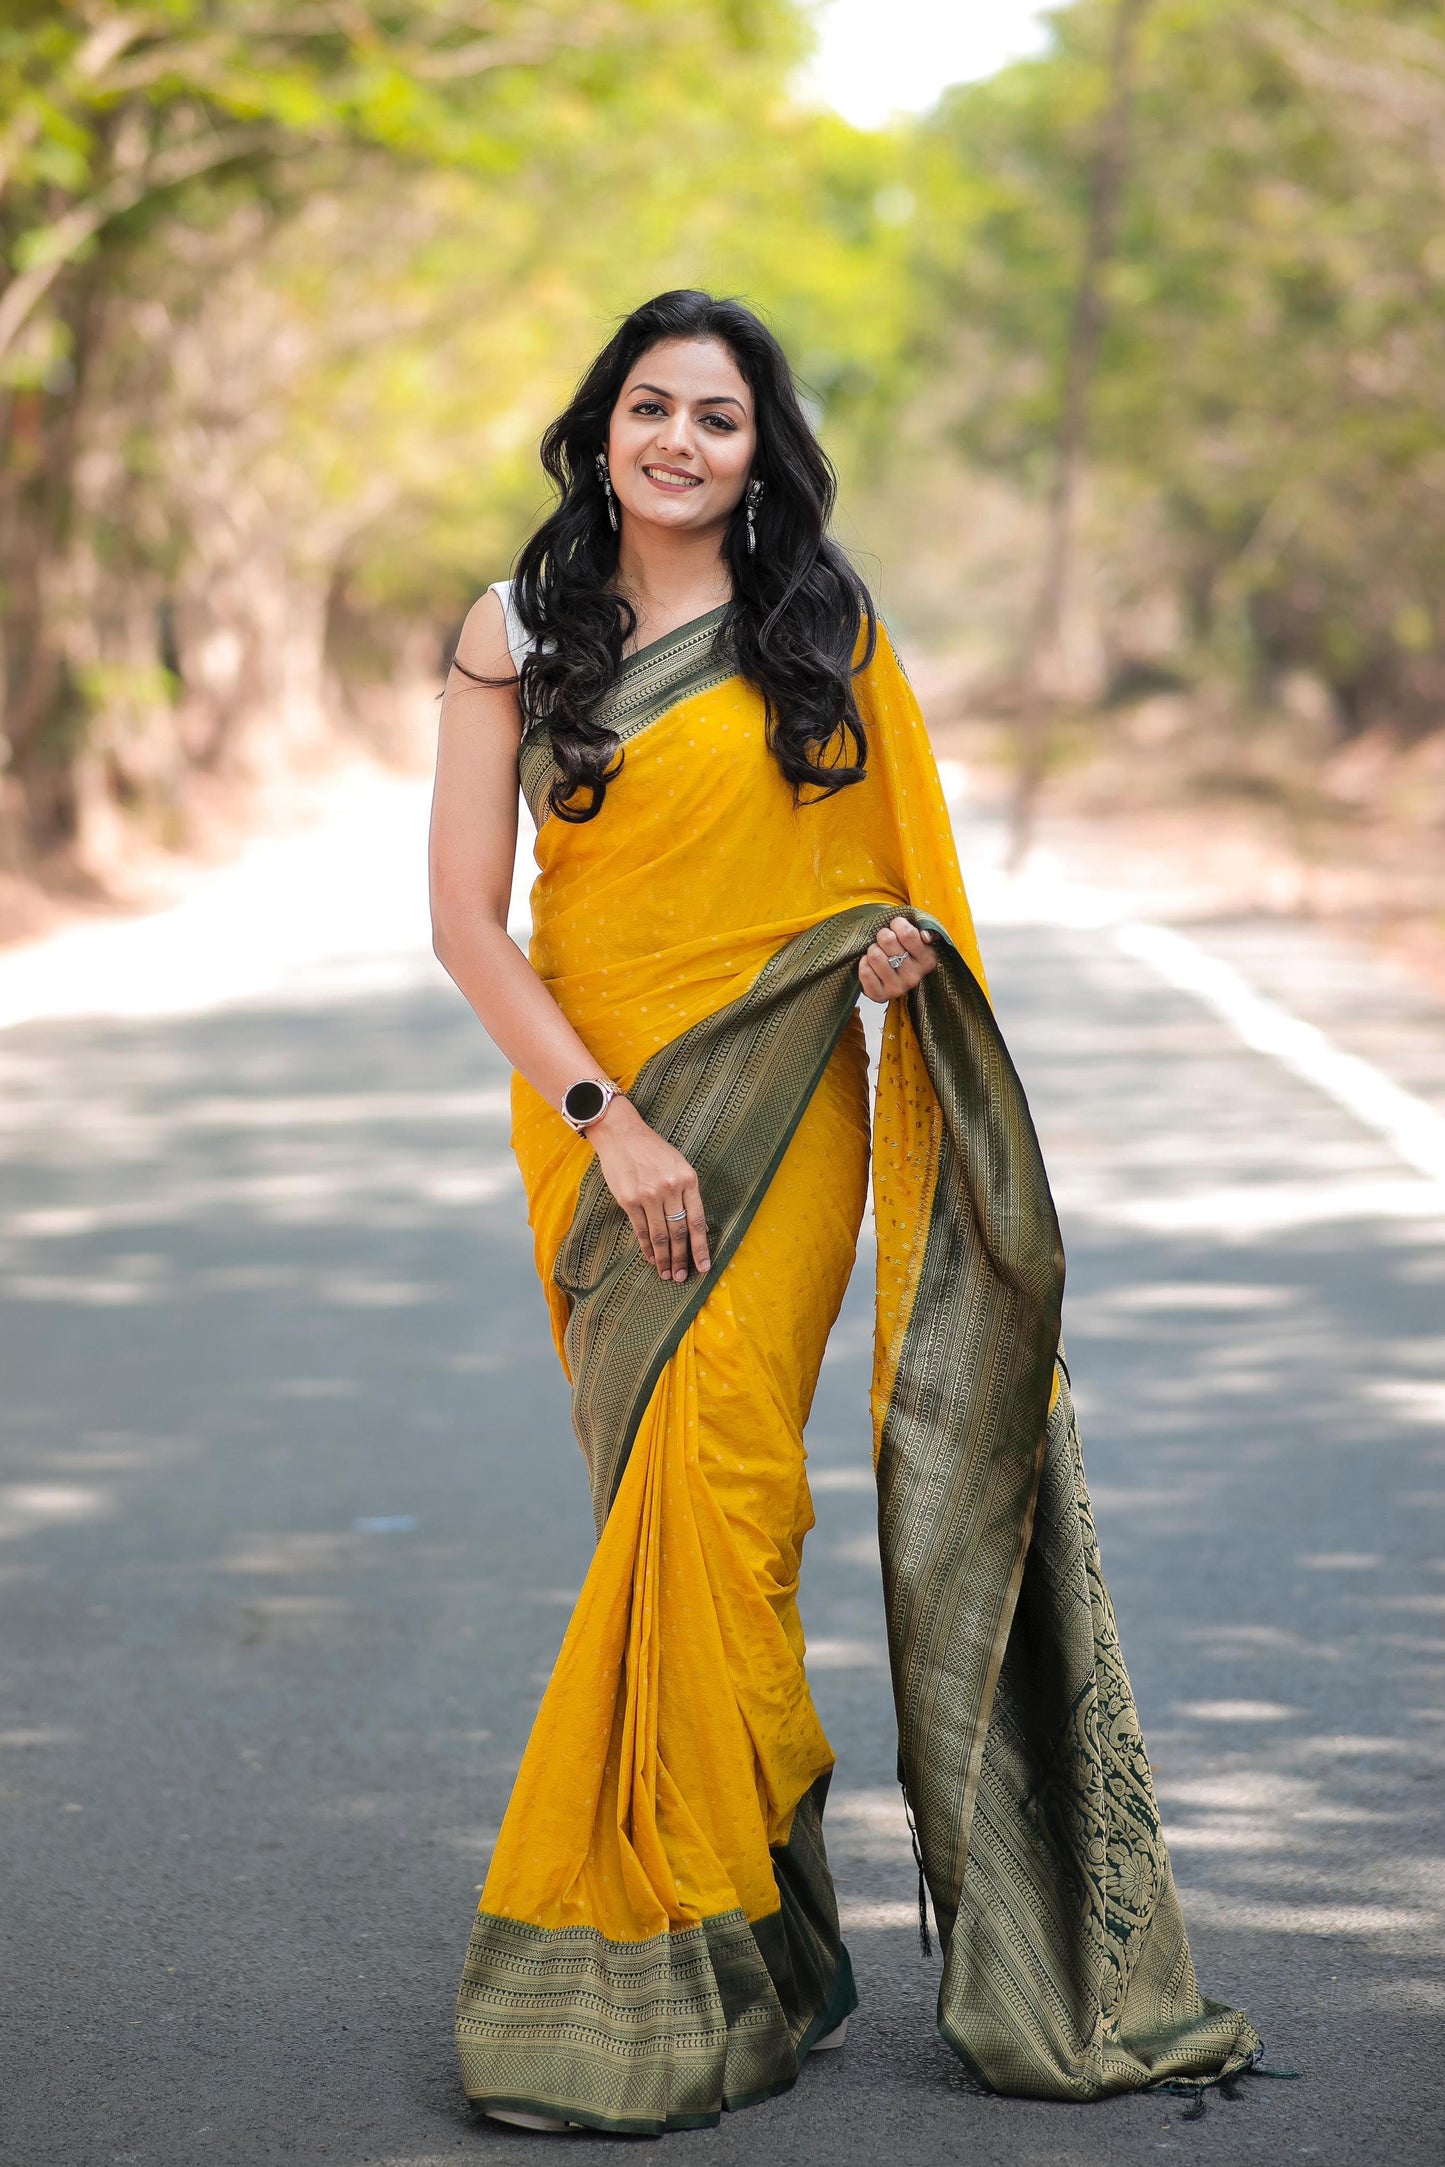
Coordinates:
[292,1520]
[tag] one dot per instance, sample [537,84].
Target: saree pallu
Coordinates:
[658,1938]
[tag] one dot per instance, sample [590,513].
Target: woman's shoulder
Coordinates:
[492,643]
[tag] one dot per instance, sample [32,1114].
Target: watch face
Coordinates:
[584,1101]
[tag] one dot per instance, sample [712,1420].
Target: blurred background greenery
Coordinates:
[1129,355]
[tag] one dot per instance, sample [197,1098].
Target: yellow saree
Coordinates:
[657,1938]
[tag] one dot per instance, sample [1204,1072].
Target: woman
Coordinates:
[740,826]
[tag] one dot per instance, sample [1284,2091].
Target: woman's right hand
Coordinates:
[655,1185]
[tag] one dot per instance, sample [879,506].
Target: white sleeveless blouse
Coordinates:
[519,645]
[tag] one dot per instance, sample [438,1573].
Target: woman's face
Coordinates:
[682,437]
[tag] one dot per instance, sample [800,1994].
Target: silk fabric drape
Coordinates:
[657,1937]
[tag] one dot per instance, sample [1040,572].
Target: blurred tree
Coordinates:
[151,157]
[285,300]
[1044,670]
[1266,434]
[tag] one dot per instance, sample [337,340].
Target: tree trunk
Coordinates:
[39,445]
[1044,674]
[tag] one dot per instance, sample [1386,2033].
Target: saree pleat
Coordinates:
[658,1937]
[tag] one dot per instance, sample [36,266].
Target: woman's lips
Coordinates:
[674,479]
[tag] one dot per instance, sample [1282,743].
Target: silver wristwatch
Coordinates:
[586,1102]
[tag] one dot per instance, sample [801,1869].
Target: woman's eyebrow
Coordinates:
[714,398]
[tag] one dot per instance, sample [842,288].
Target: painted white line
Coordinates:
[1246,1211]
[1410,1126]
[1043,894]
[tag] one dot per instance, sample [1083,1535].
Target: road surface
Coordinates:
[292,1519]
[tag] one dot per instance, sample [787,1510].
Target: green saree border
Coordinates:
[962,1435]
[643,2037]
[690,660]
[1067,1972]
[841,2003]
[1067,1881]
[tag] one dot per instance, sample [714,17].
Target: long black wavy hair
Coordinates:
[797,607]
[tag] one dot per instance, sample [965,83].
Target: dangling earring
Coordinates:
[606,480]
[754,498]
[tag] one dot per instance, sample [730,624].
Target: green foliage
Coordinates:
[1267,434]
[287,296]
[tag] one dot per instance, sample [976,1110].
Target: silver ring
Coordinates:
[674,1215]
[896,963]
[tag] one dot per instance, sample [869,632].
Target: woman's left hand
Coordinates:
[899,959]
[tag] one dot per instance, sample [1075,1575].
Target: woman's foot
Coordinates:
[832,2039]
[519,2120]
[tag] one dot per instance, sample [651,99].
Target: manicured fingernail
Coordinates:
[679,1277]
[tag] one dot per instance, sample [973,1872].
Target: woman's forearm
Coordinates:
[517,1012]
[650,1179]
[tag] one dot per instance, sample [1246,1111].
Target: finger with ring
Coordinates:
[674,1214]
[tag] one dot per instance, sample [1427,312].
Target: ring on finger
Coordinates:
[674,1216]
[896,963]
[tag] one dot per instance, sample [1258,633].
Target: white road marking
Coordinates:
[1043,894]
[1411,1127]
[1251,1211]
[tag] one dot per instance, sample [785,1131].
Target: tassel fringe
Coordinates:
[1197,2089]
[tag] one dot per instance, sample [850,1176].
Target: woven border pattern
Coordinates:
[660,2034]
[656,678]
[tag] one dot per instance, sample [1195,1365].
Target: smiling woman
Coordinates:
[689,480]
[740,824]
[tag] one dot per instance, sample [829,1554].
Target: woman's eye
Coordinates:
[721,423]
[647,406]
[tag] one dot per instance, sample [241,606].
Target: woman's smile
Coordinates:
[676,479]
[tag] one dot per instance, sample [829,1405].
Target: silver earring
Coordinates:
[754,498]
[606,480]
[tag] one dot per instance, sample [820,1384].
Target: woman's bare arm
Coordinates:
[473,846]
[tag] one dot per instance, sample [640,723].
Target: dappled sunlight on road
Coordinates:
[292,1520]
[30,1507]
